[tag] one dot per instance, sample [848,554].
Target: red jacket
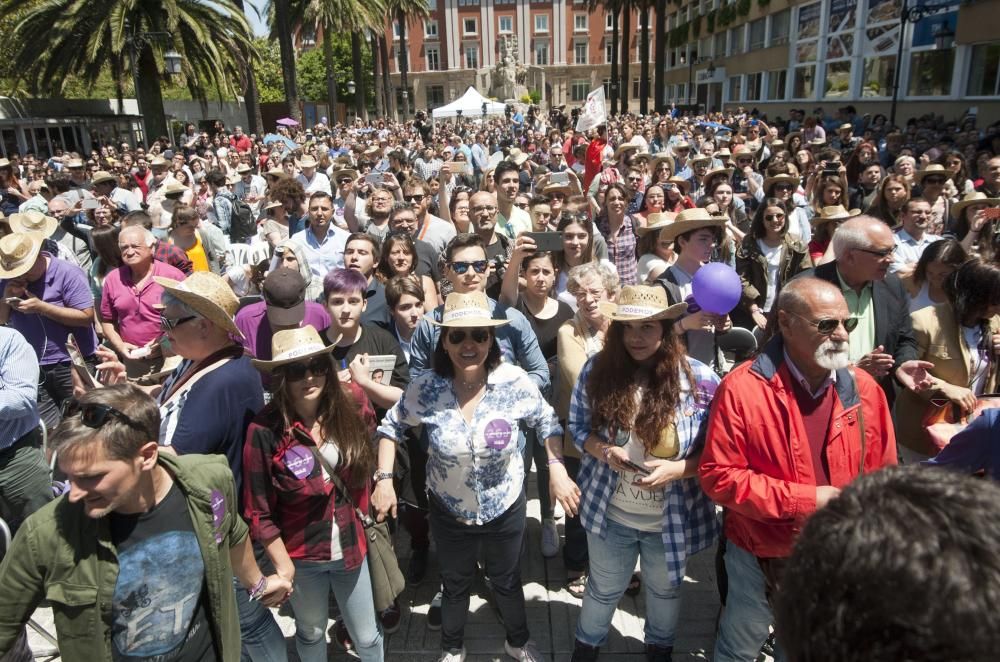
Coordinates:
[757,461]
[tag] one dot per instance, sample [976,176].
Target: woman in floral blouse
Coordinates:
[471,405]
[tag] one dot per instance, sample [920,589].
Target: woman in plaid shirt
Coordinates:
[638,413]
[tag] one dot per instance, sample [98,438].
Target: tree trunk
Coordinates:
[331,72]
[644,61]
[379,101]
[284,29]
[359,81]
[251,98]
[154,120]
[390,98]
[660,57]
[626,53]
[404,64]
[614,61]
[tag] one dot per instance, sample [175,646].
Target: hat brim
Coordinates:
[817,221]
[293,316]
[471,323]
[728,172]
[656,227]
[609,310]
[959,207]
[26,267]
[270,366]
[777,179]
[678,228]
[919,175]
[45,232]
[204,307]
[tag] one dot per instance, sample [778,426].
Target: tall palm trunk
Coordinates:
[379,101]
[250,95]
[283,27]
[331,71]
[390,98]
[153,118]
[615,81]
[360,107]
[660,57]
[644,60]
[626,53]
[404,63]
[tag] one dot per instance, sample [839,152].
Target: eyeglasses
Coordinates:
[635,180]
[882,254]
[458,336]
[478,209]
[662,168]
[558,196]
[414,198]
[95,415]
[521,205]
[171,323]
[296,372]
[826,327]
[343,181]
[773,217]
[479,266]
[783,187]
[934,180]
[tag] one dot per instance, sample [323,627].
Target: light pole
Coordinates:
[405,94]
[914,15]
[137,42]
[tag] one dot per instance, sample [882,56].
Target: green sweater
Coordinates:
[67,558]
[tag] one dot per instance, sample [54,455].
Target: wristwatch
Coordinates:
[379,476]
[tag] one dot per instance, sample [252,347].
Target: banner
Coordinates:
[594,112]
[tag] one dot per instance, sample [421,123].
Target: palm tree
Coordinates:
[379,102]
[390,98]
[360,107]
[282,28]
[626,51]
[82,38]
[613,7]
[660,56]
[643,6]
[403,11]
[250,95]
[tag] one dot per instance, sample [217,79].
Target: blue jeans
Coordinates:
[743,628]
[311,603]
[262,639]
[612,561]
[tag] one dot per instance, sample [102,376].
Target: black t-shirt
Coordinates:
[159,606]
[374,341]
[547,330]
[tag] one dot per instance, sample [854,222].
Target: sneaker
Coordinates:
[656,653]
[557,511]
[434,615]
[527,653]
[417,568]
[343,637]
[550,538]
[584,653]
[452,656]
[391,618]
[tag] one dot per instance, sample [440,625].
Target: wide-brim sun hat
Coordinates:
[973,198]
[932,169]
[625,147]
[208,295]
[777,179]
[517,156]
[641,303]
[345,172]
[468,311]
[689,220]
[34,222]
[18,253]
[102,176]
[833,213]
[292,346]
[307,162]
[656,222]
[728,172]
[662,158]
[684,184]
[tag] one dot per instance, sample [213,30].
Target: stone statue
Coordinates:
[508,76]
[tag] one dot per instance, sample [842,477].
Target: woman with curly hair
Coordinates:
[291,196]
[892,196]
[638,415]
[958,171]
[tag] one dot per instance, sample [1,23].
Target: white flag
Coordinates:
[594,112]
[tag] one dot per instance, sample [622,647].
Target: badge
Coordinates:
[218,502]
[703,394]
[299,461]
[497,434]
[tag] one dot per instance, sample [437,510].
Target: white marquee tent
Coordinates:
[471,105]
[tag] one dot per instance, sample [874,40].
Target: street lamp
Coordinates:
[173,61]
[405,94]
[351,87]
[914,15]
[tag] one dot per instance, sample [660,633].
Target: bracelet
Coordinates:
[258,588]
[555,460]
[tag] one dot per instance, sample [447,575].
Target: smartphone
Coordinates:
[91,203]
[831,172]
[12,301]
[547,241]
[753,122]
[464,169]
[992,213]
[636,468]
[374,178]
[561,178]
[79,365]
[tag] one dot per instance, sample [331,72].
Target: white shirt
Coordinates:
[908,249]
[326,255]
[319,182]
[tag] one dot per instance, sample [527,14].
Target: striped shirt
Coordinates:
[18,387]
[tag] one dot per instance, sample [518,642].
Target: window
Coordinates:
[608,51]
[777,81]
[757,30]
[736,40]
[471,56]
[879,75]
[609,22]
[930,73]
[806,51]
[607,88]
[430,30]
[395,30]
[779,27]
[541,22]
[579,23]
[635,88]
[506,24]
[433,59]
[469,26]
[542,53]
[735,83]
[753,86]
[435,96]
[579,90]
[984,74]
[837,83]
[580,53]
[880,40]
[468,2]
[308,36]
[719,45]
[805,81]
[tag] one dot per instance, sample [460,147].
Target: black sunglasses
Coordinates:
[460,268]
[826,327]
[934,180]
[457,336]
[95,415]
[414,198]
[169,324]
[296,372]
[882,254]
[773,217]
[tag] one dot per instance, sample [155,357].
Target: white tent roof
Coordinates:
[471,105]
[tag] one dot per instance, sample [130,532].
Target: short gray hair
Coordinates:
[854,233]
[607,275]
[148,237]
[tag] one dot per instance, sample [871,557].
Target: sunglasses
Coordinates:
[414,198]
[296,372]
[479,266]
[458,336]
[826,327]
[934,180]
[171,323]
[783,187]
[882,254]
[343,181]
[95,415]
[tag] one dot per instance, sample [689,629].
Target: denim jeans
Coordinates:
[575,546]
[747,617]
[458,550]
[612,561]
[262,639]
[311,603]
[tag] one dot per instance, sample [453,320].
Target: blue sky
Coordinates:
[259,28]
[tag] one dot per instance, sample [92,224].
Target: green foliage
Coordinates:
[727,14]
[535,96]
[743,7]
[310,71]
[710,21]
[696,26]
[763,3]
[679,35]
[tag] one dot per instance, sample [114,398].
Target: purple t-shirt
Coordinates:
[257,334]
[132,310]
[65,285]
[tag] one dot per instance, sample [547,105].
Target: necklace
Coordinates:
[472,386]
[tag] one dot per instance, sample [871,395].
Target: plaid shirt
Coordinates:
[285,493]
[689,521]
[164,251]
[621,248]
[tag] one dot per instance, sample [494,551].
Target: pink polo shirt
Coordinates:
[131,310]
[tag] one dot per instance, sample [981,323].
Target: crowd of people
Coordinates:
[223,362]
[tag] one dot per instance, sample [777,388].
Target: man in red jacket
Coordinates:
[787,431]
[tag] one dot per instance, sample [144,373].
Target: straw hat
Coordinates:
[662,158]
[689,220]
[517,156]
[932,169]
[34,222]
[159,162]
[74,163]
[5,163]
[292,346]
[846,126]
[793,134]
[208,295]
[243,168]
[645,303]
[723,153]
[174,188]
[102,176]
[681,144]
[18,253]
[345,172]
[625,147]
[817,142]
[973,198]
[276,172]
[777,179]
[468,310]
[273,204]
[728,172]
[656,222]
[833,213]
[680,182]
[557,188]
[307,162]
[701,158]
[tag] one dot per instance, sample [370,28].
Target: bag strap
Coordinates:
[366,520]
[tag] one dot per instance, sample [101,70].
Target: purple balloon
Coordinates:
[717,288]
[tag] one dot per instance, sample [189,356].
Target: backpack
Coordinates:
[242,226]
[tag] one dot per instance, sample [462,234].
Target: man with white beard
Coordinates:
[787,431]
